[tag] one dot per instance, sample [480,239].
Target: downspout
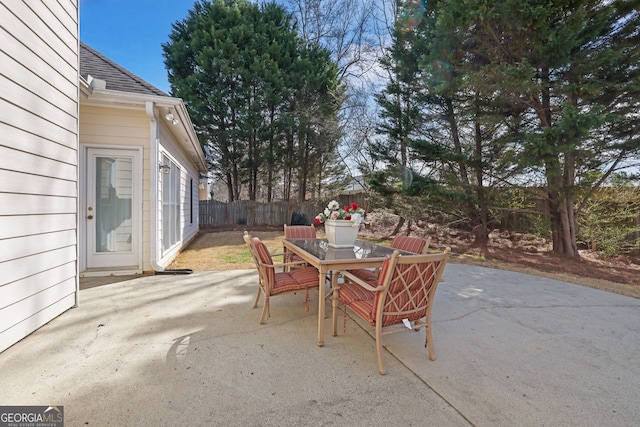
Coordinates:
[154,152]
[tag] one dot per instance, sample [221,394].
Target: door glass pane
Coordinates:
[113,204]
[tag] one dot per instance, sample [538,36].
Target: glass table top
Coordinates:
[320,249]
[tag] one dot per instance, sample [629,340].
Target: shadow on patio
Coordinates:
[511,349]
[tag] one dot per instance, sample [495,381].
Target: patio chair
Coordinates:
[416,245]
[402,297]
[273,283]
[298,232]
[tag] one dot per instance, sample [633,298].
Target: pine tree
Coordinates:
[259,96]
[537,89]
[569,72]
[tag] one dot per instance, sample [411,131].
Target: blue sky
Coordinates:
[130,32]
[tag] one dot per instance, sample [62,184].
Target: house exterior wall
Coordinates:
[120,127]
[38,164]
[189,204]
[110,126]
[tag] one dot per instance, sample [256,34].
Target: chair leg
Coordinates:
[344,319]
[335,289]
[429,342]
[255,304]
[334,313]
[381,367]
[265,309]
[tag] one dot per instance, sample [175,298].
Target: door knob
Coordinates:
[90,217]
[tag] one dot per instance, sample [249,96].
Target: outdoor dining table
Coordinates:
[319,254]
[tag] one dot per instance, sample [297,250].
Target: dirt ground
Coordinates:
[223,249]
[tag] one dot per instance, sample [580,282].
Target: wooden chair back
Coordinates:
[403,294]
[254,254]
[299,232]
[409,284]
[416,245]
[274,283]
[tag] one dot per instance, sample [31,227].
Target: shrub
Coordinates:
[299,218]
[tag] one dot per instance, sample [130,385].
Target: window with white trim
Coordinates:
[170,205]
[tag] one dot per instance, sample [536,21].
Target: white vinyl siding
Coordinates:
[187,203]
[38,164]
[123,128]
[105,126]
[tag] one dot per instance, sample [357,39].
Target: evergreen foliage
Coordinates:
[515,92]
[263,101]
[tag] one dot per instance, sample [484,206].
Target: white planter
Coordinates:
[340,253]
[341,233]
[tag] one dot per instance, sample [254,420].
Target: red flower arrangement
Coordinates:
[333,210]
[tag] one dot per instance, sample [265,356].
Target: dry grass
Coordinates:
[225,250]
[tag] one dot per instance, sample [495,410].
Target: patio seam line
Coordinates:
[525,307]
[444,399]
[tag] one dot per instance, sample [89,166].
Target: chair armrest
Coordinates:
[283,256]
[283,264]
[360,282]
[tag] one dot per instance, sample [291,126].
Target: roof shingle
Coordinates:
[118,78]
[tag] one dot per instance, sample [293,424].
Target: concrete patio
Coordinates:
[512,349]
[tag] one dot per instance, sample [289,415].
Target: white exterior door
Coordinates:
[112,212]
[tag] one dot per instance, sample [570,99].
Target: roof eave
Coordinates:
[103,97]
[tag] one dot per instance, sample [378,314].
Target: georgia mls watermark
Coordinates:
[31,416]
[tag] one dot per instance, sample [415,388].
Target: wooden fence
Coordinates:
[250,213]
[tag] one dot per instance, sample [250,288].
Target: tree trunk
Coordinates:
[561,210]
[396,231]
[481,230]
[463,174]
[236,182]
[569,242]
[558,186]
[569,179]
[303,165]
[556,224]
[270,159]
[288,170]
[229,187]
